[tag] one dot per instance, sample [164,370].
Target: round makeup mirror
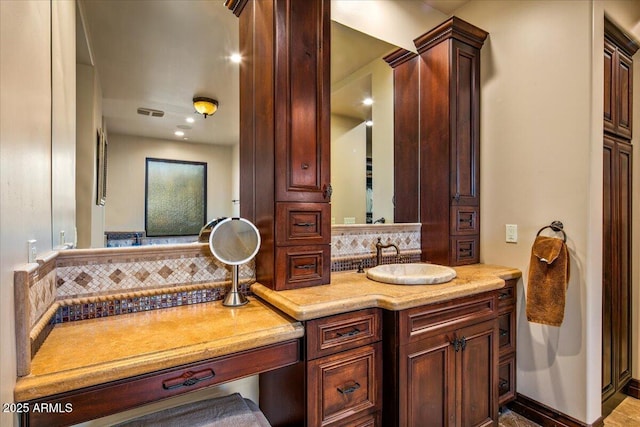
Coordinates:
[234,241]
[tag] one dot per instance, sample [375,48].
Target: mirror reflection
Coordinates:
[139,64]
[361,128]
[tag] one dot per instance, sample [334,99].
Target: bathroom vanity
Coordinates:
[355,352]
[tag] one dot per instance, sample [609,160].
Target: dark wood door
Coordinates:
[302,112]
[450,379]
[616,265]
[427,382]
[465,139]
[477,392]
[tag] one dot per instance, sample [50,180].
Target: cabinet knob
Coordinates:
[305,166]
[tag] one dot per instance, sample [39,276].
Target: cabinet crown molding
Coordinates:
[623,40]
[399,56]
[455,28]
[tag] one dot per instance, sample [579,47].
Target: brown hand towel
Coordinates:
[548,279]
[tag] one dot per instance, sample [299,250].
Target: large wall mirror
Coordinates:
[156,55]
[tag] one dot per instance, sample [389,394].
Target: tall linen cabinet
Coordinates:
[285,137]
[617,213]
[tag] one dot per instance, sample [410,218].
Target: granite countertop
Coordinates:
[89,352]
[350,291]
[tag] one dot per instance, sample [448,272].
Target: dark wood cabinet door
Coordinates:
[302,112]
[609,86]
[622,306]
[616,265]
[427,382]
[624,111]
[608,270]
[465,127]
[477,392]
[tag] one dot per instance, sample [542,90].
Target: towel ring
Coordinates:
[556,226]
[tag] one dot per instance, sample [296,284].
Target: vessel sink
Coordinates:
[411,274]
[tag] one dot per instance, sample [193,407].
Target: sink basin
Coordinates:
[411,274]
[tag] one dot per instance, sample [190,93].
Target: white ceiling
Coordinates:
[159,54]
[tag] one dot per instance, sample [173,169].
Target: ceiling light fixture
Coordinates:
[367,101]
[178,133]
[205,106]
[189,120]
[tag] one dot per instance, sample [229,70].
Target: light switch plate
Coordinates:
[511,235]
[32,250]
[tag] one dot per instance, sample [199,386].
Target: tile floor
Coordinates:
[627,414]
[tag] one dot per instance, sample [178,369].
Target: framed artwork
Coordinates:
[175,197]
[101,167]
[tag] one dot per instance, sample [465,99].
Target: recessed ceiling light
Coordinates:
[236,57]
[190,120]
[369,123]
[185,138]
[367,101]
[178,133]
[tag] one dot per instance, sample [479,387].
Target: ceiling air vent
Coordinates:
[150,112]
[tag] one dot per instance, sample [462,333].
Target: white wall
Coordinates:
[126,177]
[541,160]
[25,158]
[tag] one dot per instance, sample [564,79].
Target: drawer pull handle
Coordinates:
[351,333]
[504,332]
[503,384]
[188,379]
[465,252]
[349,389]
[305,224]
[467,220]
[503,295]
[305,266]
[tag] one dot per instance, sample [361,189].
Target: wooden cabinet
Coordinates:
[285,137]
[450,142]
[507,343]
[441,363]
[617,213]
[618,82]
[340,381]
[437,140]
[616,267]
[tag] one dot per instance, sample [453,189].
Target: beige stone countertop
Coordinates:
[350,291]
[89,352]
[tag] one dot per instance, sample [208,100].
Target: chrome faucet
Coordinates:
[380,247]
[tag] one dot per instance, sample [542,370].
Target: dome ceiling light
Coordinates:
[205,106]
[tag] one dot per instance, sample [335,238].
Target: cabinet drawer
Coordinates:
[507,295]
[300,266]
[416,323]
[507,380]
[464,220]
[342,332]
[303,223]
[507,331]
[344,385]
[465,250]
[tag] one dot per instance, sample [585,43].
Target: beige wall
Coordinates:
[541,160]
[348,168]
[126,177]
[89,215]
[63,132]
[25,157]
